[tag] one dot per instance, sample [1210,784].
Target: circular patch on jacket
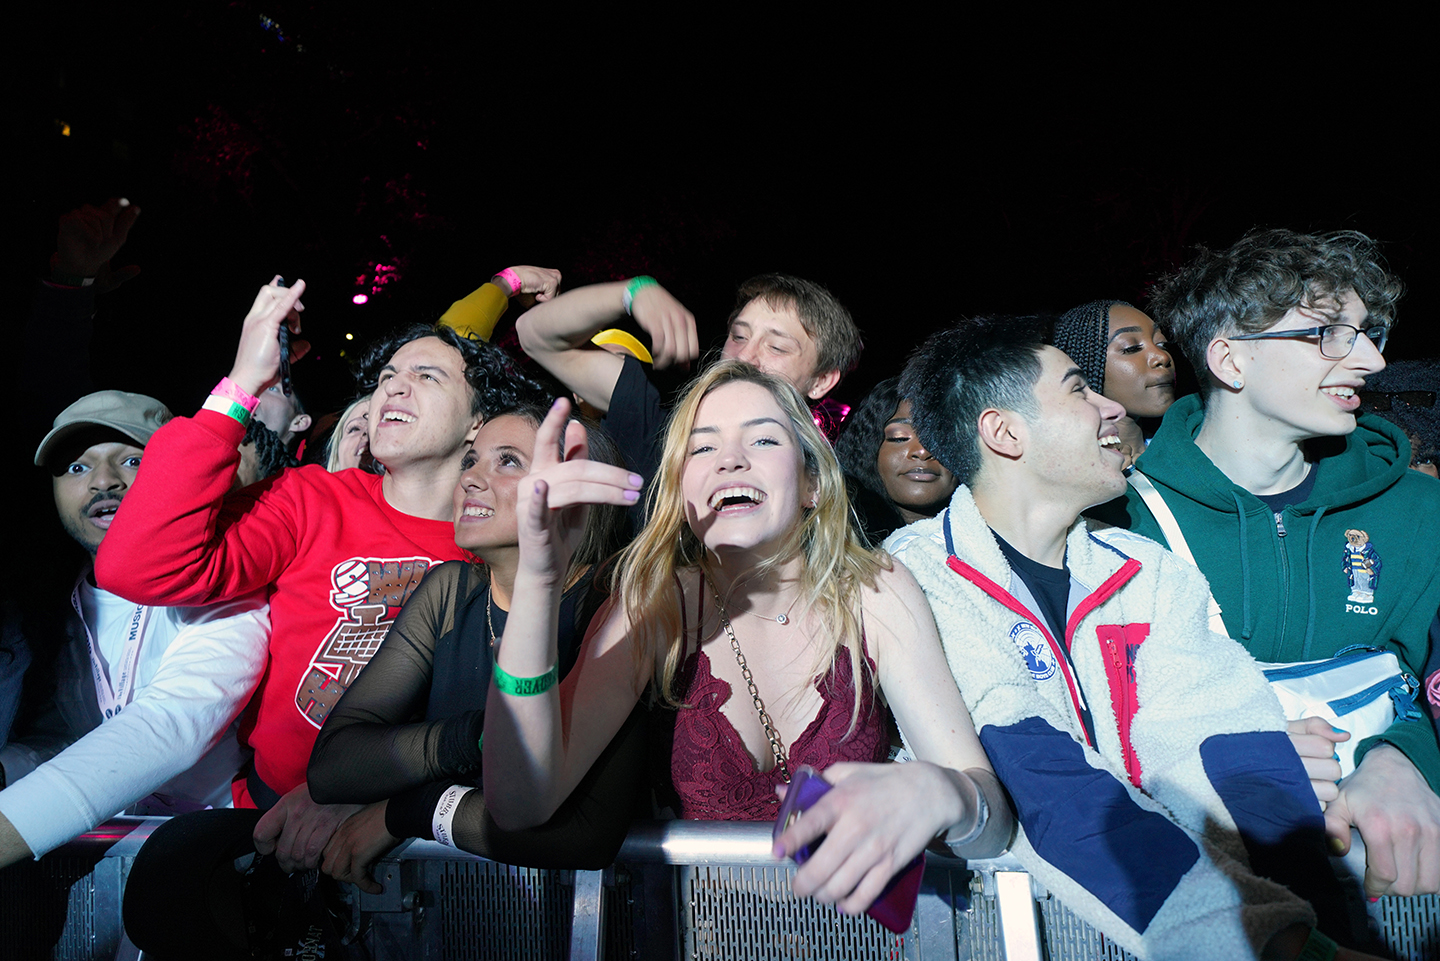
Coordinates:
[1034,649]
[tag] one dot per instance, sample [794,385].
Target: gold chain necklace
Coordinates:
[773,735]
[489,623]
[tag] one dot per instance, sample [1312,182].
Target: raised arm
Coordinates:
[557,334]
[536,753]
[476,314]
[177,538]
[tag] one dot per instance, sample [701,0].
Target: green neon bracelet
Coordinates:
[507,683]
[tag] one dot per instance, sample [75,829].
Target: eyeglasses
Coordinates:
[1336,340]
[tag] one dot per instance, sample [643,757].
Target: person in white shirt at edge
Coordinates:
[143,716]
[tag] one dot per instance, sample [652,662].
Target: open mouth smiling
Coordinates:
[736,498]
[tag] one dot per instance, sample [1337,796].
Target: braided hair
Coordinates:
[1084,334]
[271,455]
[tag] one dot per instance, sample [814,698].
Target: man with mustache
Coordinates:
[142,713]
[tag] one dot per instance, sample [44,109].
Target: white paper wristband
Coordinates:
[440,823]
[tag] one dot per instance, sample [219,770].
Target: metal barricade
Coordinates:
[679,889]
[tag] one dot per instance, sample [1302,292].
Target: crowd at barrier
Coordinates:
[1169,652]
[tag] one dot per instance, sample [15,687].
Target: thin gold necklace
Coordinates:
[489,593]
[773,735]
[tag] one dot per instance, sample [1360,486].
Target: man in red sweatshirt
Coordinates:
[338,553]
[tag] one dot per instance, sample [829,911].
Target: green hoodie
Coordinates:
[1294,588]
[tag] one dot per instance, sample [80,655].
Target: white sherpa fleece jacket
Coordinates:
[1160,867]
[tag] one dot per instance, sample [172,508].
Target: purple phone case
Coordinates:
[896,904]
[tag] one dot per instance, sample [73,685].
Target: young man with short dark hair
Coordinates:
[1145,756]
[1271,475]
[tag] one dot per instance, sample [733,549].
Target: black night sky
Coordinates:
[923,171]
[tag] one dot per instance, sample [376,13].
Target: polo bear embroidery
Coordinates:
[1362,566]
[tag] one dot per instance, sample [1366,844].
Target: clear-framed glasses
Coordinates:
[1336,340]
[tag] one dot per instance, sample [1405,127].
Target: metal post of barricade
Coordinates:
[1019,929]
[587,924]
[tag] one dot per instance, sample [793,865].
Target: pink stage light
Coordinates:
[360,299]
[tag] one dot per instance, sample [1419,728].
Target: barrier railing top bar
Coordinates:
[649,842]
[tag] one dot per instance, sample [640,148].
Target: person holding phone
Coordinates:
[748,605]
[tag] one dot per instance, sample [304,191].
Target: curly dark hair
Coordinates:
[495,382]
[1251,286]
[1410,391]
[958,372]
[858,445]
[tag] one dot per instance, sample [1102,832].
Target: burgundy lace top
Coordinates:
[715,776]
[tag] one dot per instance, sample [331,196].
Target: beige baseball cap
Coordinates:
[134,415]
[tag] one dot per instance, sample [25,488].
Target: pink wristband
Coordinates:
[511,278]
[228,388]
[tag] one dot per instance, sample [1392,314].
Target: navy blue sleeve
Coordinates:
[1263,784]
[1083,821]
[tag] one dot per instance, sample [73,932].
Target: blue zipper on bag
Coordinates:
[1349,655]
[1344,705]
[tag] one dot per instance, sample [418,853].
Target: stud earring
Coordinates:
[1237,383]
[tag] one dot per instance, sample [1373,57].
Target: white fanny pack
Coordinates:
[1361,690]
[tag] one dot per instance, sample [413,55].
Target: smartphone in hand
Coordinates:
[896,904]
[284,349]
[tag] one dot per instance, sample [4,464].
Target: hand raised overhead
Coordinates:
[543,282]
[88,237]
[257,359]
[673,338]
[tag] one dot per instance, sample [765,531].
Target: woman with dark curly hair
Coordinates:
[893,479]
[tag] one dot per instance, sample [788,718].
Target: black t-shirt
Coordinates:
[1051,589]
[636,421]
[1295,495]
[1049,585]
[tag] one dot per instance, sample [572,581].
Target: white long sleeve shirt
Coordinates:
[174,739]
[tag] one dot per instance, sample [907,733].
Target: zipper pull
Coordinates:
[1279,525]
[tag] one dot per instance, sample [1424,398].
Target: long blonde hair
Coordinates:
[836,565]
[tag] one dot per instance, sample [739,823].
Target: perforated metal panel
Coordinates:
[743,913]
[1410,927]
[436,908]
[47,909]
[496,911]
[1067,938]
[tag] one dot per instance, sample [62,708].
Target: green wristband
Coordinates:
[507,683]
[634,287]
[1317,947]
